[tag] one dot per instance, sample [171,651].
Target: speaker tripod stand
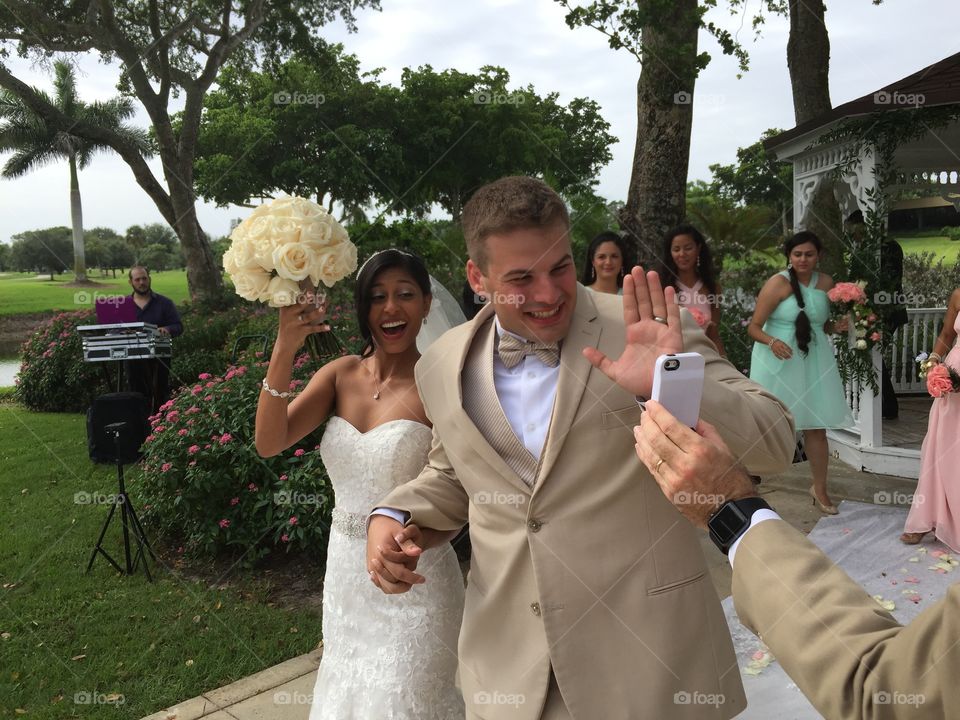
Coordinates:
[129,520]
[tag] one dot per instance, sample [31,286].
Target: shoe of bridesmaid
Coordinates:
[825,509]
[912,538]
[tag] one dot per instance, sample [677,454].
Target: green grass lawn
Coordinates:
[64,633]
[22,293]
[940,246]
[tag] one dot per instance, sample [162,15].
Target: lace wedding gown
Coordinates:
[384,656]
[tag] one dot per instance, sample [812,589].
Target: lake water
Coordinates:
[8,370]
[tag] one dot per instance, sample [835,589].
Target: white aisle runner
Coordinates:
[863,540]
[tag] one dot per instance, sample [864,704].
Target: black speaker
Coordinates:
[130,408]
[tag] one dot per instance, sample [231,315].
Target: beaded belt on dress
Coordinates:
[349,523]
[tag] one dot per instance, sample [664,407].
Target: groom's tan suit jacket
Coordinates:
[848,656]
[579,562]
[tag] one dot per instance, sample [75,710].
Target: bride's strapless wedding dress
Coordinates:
[384,656]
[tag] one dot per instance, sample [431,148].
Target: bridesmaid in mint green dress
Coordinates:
[793,355]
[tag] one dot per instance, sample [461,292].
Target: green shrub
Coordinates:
[741,281]
[205,486]
[53,376]
[927,283]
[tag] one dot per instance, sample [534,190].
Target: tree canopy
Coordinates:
[322,128]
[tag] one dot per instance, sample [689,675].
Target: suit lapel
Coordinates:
[468,433]
[572,383]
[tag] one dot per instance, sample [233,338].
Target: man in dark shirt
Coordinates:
[152,377]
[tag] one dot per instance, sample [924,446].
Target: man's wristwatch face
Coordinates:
[732,520]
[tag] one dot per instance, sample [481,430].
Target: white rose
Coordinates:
[317,231]
[281,292]
[307,208]
[293,261]
[861,344]
[250,284]
[282,207]
[241,255]
[334,263]
[285,230]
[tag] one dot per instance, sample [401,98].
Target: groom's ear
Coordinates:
[475,278]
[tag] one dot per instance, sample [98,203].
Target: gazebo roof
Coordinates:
[936,84]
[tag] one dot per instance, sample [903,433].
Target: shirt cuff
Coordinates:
[399,515]
[758,517]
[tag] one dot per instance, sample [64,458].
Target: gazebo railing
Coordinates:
[917,336]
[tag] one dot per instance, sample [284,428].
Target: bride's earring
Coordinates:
[424,319]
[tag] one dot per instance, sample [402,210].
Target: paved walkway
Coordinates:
[284,691]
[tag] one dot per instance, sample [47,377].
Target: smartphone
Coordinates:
[678,385]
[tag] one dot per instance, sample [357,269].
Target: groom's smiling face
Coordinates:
[531,281]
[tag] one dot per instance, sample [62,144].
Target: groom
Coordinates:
[588,595]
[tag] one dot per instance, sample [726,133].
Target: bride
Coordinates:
[384,656]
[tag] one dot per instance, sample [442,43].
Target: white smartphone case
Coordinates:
[679,389]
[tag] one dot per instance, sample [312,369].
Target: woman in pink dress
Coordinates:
[936,504]
[687,265]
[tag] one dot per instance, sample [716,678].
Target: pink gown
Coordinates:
[936,504]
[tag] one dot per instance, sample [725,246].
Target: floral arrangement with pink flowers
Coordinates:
[855,348]
[942,380]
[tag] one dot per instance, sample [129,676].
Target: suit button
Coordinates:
[535,608]
[534,525]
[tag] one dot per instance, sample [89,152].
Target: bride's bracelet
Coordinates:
[933,355]
[283,395]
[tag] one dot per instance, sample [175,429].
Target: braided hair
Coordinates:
[802,323]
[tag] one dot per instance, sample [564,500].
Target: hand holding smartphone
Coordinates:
[678,385]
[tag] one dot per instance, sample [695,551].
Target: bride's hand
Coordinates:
[301,320]
[392,555]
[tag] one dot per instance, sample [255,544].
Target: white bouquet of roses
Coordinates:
[282,245]
[283,251]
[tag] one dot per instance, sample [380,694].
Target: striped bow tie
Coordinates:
[512,351]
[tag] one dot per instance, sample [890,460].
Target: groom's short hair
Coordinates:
[510,203]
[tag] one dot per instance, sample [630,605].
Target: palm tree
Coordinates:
[34,143]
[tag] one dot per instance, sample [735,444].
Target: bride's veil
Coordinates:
[444,314]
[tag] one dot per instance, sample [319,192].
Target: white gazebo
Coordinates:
[930,163]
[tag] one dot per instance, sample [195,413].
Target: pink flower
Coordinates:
[165,467]
[872,318]
[204,376]
[284,538]
[192,409]
[160,428]
[193,449]
[252,487]
[293,520]
[181,432]
[207,446]
[230,374]
[939,382]
[225,438]
[698,315]
[283,477]
[166,406]
[241,370]
[210,384]
[298,452]
[234,501]
[208,398]
[847,292]
[224,523]
[150,438]
[875,337]
[192,463]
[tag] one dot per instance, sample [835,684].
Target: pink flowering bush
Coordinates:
[53,376]
[209,490]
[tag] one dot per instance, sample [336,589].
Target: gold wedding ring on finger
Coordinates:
[657,468]
[660,320]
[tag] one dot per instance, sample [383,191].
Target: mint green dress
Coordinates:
[807,384]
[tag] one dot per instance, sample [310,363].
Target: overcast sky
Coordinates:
[871,46]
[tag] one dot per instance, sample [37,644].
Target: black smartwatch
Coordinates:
[732,519]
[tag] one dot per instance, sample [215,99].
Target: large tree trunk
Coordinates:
[656,198]
[808,58]
[204,278]
[76,218]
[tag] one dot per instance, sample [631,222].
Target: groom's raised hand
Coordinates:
[392,554]
[652,319]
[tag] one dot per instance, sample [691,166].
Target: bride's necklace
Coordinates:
[376,395]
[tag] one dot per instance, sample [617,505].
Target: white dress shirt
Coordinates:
[526,393]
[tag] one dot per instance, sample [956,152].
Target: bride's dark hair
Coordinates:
[367,277]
